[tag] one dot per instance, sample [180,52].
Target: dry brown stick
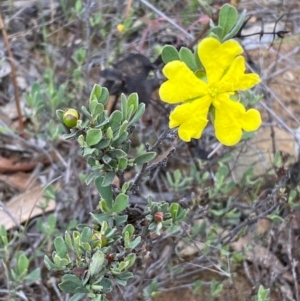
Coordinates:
[128,7]
[13,74]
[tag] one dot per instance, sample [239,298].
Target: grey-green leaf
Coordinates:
[122,163]
[217,32]
[132,104]
[138,114]
[124,106]
[104,96]
[60,247]
[93,136]
[117,153]
[169,53]
[227,18]
[120,203]
[144,158]
[128,228]
[96,93]
[86,234]
[187,57]
[115,119]
[105,191]
[69,283]
[96,263]
[109,177]
[236,27]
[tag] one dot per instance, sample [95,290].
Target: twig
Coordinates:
[13,74]
[293,264]
[162,137]
[128,7]
[191,37]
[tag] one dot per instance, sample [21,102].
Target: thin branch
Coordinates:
[13,75]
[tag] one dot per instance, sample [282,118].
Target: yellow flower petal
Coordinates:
[235,79]
[251,120]
[191,117]
[182,83]
[216,56]
[231,118]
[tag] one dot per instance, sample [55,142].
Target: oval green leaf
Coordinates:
[144,158]
[93,136]
[169,53]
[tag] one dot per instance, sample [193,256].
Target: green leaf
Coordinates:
[174,210]
[129,229]
[105,191]
[126,147]
[106,283]
[222,172]
[120,203]
[133,100]
[69,283]
[263,294]
[133,244]
[117,153]
[33,276]
[22,265]
[115,119]
[120,139]
[60,246]
[104,207]
[169,53]
[49,264]
[59,262]
[122,279]
[86,235]
[187,56]
[109,177]
[77,297]
[124,106]
[60,115]
[96,93]
[275,218]
[123,127]
[227,18]
[144,158]
[3,236]
[236,27]
[217,32]
[92,105]
[96,263]
[103,143]
[93,136]
[109,133]
[96,108]
[100,94]
[104,96]
[100,218]
[120,219]
[119,281]
[138,114]
[68,240]
[130,258]
[86,112]
[122,163]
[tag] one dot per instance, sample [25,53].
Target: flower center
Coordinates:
[213,92]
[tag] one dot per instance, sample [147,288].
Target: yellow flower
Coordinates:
[224,67]
[120,28]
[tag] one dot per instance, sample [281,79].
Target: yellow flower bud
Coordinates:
[70,117]
[120,28]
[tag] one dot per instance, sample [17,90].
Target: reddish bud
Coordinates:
[159,216]
[110,257]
